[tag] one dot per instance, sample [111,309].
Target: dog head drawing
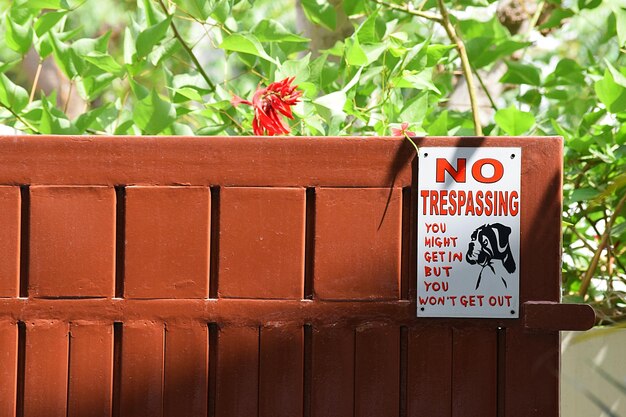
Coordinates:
[488,243]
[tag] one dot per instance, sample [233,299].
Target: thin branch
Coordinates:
[487,93]
[582,239]
[69,97]
[187,48]
[465,65]
[35,82]
[19,118]
[584,286]
[444,20]
[418,13]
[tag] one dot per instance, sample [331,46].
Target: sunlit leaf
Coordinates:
[320,12]
[271,31]
[150,37]
[514,122]
[12,96]
[152,114]
[246,43]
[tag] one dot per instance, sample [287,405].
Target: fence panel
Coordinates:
[256,276]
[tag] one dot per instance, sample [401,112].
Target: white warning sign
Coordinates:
[468,232]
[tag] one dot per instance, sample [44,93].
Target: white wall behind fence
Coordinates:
[593,373]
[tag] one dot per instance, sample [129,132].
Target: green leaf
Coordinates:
[514,122]
[138,90]
[355,79]
[485,51]
[435,52]
[91,118]
[271,31]
[47,21]
[610,93]
[222,10]
[5,66]
[331,105]
[12,96]
[415,110]
[556,18]
[567,72]
[18,37]
[105,62]
[164,51]
[201,9]
[246,43]
[150,37]
[588,4]
[152,114]
[620,21]
[63,56]
[351,7]
[91,87]
[295,68]
[519,73]
[129,47]
[320,12]
[618,76]
[355,55]
[48,4]
[54,121]
[153,17]
[440,126]
[582,194]
[371,30]
[189,93]
[423,80]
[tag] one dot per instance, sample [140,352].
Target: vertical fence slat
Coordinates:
[142,369]
[429,391]
[358,236]
[45,386]
[532,358]
[332,387]
[377,372]
[91,370]
[72,241]
[474,372]
[167,242]
[266,227]
[10,241]
[8,368]
[281,371]
[186,370]
[237,372]
[532,374]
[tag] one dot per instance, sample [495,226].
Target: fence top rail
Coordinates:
[227,161]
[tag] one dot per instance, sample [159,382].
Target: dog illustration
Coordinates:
[489,243]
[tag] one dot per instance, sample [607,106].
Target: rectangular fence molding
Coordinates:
[250,276]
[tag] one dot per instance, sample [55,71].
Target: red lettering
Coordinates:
[458,174]
[477,170]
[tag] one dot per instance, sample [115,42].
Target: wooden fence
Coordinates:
[180,276]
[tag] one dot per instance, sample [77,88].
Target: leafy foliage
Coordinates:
[172,67]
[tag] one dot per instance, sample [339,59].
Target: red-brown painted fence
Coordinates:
[227,277]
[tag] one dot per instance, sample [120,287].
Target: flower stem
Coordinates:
[406,9]
[187,49]
[465,65]
[584,286]
[31,97]
[20,119]
[444,20]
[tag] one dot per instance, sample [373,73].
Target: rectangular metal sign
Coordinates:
[468,232]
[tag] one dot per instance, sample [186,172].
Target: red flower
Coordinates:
[402,131]
[278,97]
